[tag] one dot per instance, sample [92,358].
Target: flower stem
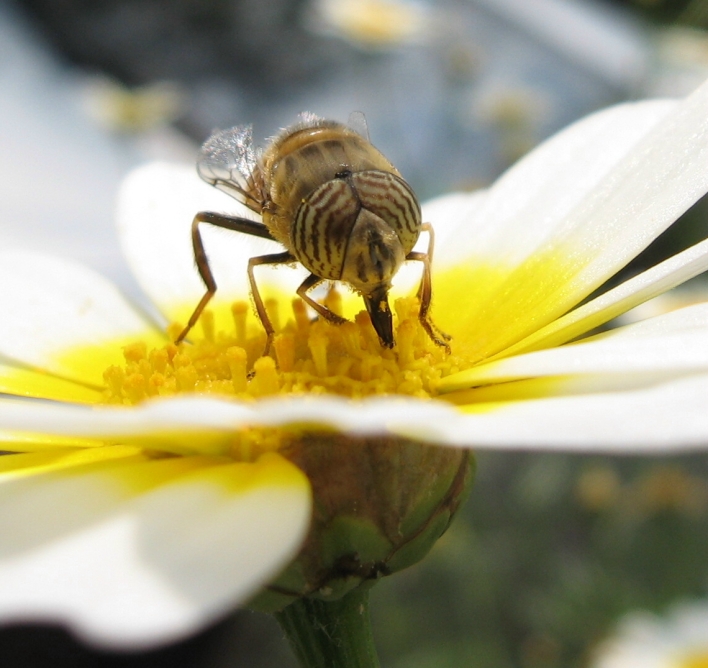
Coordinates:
[331,634]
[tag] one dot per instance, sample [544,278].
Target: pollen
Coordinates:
[306,356]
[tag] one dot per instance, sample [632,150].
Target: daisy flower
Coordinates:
[643,640]
[154,486]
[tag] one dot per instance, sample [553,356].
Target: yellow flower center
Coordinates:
[306,357]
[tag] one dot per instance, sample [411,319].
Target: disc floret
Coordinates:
[306,357]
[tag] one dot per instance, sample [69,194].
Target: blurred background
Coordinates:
[551,550]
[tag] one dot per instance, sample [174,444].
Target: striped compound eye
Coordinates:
[357,228]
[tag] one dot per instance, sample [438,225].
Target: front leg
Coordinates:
[244,225]
[310,282]
[425,291]
[276,258]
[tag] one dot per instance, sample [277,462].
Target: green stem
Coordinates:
[332,634]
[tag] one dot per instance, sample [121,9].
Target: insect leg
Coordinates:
[276,258]
[244,225]
[310,282]
[425,291]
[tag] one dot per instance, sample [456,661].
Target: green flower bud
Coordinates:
[380,503]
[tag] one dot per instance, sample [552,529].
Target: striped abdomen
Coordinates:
[357,228]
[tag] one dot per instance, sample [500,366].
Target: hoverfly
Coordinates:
[336,204]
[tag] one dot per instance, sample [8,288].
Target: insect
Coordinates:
[335,203]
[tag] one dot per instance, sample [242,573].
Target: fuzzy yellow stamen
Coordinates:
[239,310]
[333,301]
[317,343]
[284,346]
[236,359]
[265,377]
[306,357]
[273,312]
[207,322]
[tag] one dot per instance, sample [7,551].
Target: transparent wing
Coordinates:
[228,161]
[357,122]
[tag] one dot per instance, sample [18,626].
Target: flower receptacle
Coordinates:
[381,504]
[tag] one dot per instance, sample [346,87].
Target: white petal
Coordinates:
[662,418]
[607,421]
[190,424]
[156,205]
[50,307]
[27,383]
[183,425]
[637,290]
[450,213]
[674,342]
[570,215]
[142,553]
[22,442]
[536,199]
[445,214]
